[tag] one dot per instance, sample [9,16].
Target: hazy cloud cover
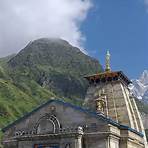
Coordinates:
[24,20]
[146,4]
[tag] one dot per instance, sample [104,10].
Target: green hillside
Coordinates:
[44,69]
[55,65]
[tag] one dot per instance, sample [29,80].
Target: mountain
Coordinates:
[140,87]
[55,65]
[44,69]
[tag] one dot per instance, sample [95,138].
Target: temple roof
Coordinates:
[108,76]
[91,113]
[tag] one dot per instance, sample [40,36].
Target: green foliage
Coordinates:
[2,74]
[55,65]
[1,136]
[14,102]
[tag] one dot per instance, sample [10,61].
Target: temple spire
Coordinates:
[107,62]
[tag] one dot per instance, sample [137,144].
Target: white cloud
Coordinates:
[25,20]
[146,4]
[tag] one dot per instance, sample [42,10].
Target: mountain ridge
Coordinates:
[44,69]
[140,87]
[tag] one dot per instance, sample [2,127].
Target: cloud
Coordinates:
[25,20]
[146,4]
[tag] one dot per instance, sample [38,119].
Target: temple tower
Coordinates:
[108,94]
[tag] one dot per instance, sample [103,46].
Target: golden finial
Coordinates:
[108,61]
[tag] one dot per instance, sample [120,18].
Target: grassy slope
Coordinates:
[38,76]
[55,65]
[16,101]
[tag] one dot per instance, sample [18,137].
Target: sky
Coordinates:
[95,26]
[120,26]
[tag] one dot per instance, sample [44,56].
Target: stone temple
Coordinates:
[108,119]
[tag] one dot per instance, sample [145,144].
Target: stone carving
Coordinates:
[53,108]
[23,132]
[100,105]
[101,102]
[47,124]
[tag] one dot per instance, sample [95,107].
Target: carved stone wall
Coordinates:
[64,126]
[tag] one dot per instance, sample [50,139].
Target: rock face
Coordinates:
[45,68]
[55,65]
[140,87]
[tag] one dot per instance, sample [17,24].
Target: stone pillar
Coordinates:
[77,138]
[113,142]
[78,142]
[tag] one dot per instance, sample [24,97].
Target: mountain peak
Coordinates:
[45,68]
[144,77]
[56,65]
[51,40]
[46,50]
[140,87]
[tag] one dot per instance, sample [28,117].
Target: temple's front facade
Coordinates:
[109,119]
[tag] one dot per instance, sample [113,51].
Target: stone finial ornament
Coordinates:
[108,68]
